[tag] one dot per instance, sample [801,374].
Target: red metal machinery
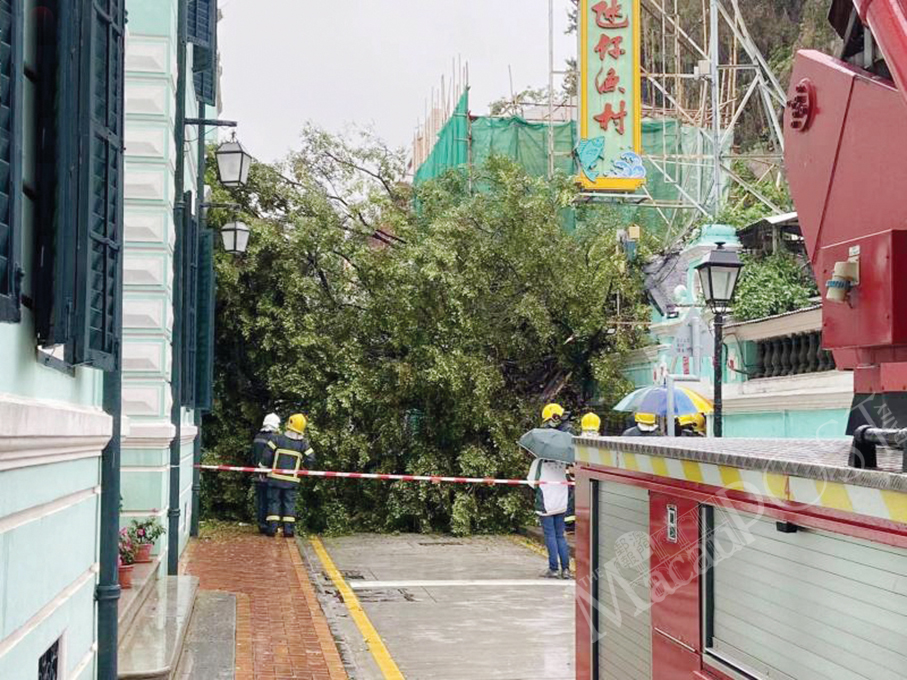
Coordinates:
[846,158]
[742,559]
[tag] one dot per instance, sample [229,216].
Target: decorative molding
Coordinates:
[148,55]
[645,354]
[145,270]
[787,324]
[85,662]
[36,512]
[146,185]
[43,431]
[133,514]
[147,98]
[147,142]
[807,392]
[147,226]
[148,356]
[47,610]
[141,312]
[146,400]
[157,435]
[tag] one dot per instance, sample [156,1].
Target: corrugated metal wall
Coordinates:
[625,631]
[808,605]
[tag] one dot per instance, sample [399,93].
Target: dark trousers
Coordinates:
[281,509]
[261,504]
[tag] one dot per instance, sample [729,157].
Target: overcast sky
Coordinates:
[372,62]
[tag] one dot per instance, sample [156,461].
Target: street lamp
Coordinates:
[233,163]
[235,236]
[718,274]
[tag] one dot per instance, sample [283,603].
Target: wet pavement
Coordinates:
[281,632]
[449,608]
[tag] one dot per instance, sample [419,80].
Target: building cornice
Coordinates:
[44,431]
[804,321]
[812,391]
[157,435]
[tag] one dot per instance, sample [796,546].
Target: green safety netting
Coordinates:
[452,148]
[463,142]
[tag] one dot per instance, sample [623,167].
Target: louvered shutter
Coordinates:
[204,55]
[190,302]
[11,82]
[205,80]
[100,228]
[200,22]
[204,367]
[59,138]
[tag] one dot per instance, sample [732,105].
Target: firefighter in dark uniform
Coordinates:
[292,452]
[261,456]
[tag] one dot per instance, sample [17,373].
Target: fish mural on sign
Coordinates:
[589,153]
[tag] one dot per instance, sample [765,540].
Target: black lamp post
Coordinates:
[718,274]
[233,163]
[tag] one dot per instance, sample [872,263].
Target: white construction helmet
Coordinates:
[272,422]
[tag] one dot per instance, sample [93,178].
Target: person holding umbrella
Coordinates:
[553,449]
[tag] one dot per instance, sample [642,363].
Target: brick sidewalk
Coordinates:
[281,631]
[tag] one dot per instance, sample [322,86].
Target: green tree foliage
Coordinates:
[417,341]
[772,284]
[757,198]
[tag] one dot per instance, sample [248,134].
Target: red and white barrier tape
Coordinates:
[386,477]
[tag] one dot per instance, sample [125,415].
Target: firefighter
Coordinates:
[646,426]
[292,453]
[590,424]
[690,425]
[261,456]
[555,417]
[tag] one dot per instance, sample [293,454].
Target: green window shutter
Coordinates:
[204,59]
[58,164]
[205,80]
[11,85]
[204,367]
[201,21]
[190,303]
[100,206]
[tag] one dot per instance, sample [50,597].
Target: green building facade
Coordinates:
[87,209]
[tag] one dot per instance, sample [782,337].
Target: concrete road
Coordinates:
[450,608]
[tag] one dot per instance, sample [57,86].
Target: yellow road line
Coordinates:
[375,644]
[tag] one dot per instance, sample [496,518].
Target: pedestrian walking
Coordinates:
[551,502]
[292,452]
[261,457]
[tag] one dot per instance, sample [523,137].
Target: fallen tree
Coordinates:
[420,332]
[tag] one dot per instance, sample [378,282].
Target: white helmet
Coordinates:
[271,423]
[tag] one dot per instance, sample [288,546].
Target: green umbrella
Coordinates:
[549,444]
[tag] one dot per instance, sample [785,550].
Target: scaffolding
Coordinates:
[706,90]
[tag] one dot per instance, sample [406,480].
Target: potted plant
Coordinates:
[143,535]
[126,559]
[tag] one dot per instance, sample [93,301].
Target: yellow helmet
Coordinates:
[591,423]
[697,420]
[297,423]
[551,411]
[646,418]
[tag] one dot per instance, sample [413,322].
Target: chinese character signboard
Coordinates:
[610,119]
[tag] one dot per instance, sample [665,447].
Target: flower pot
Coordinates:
[143,552]
[125,575]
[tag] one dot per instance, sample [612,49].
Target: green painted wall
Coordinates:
[819,424]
